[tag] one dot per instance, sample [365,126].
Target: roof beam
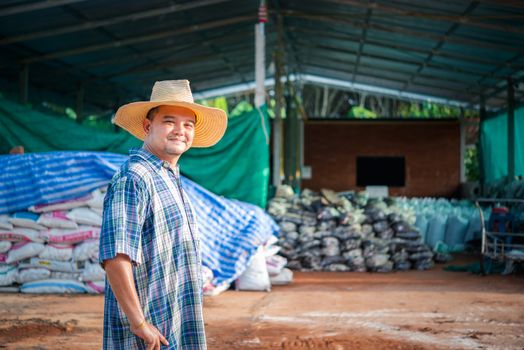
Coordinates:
[288,43]
[508,3]
[400,48]
[171,63]
[64,70]
[409,32]
[472,5]
[343,85]
[362,40]
[444,67]
[139,39]
[86,25]
[218,52]
[398,80]
[195,77]
[404,95]
[13,10]
[500,66]
[228,37]
[327,57]
[503,86]
[442,17]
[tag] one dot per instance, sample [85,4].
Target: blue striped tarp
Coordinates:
[230,230]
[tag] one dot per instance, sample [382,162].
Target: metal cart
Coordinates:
[502,234]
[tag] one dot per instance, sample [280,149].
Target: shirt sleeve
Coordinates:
[124,214]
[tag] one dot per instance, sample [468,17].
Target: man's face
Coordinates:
[171,132]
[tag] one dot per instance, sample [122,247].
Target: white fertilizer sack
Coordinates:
[5,246]
[256,276]
[7,274]
[24,250]
[59,252]
[275,264]
[86,250]
[85,216]
[20,235]
[97,200]
[4,223]
[93,272]
[284,277]
[57,219]
[32,274]
[53,286]
[95,287]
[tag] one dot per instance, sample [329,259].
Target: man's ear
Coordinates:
[146,125]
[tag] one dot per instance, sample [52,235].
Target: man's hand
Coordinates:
[150,335]
[119,273]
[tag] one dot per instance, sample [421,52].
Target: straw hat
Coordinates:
[210,124]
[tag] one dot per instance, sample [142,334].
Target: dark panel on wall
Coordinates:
[430,149]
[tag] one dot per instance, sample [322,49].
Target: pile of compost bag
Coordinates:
[327,231]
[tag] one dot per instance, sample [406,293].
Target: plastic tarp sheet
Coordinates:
[237,167]
[40,132]
[231,231]
[494,143]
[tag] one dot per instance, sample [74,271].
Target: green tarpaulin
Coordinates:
[494,143]
[237,167]
[40,132]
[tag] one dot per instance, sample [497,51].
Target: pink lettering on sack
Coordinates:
[13,237]
[60,215]
[73,237]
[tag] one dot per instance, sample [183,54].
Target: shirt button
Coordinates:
[165,164]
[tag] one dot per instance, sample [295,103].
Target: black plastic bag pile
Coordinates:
[346,232]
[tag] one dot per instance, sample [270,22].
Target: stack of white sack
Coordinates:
[265,269]
[278,273]
[53,248]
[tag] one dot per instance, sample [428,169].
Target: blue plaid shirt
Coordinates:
[148,217]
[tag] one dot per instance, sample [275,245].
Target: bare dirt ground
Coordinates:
[409,310]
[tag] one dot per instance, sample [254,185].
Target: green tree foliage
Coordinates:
[472,164]
[361,112]
[218,102]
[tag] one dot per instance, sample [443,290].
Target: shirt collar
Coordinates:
[155,162]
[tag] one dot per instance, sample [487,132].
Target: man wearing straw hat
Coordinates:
[149,243]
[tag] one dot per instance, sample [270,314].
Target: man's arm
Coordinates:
[119,273]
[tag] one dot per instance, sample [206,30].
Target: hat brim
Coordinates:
[211,123]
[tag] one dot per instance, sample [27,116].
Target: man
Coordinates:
[149,244]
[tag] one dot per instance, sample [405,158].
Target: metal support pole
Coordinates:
[480,153]
[288,139]
[511,129]
[24,83]
[294,142]
[279,99]
[260,55]
[300,121]
[277,133]
[462,146]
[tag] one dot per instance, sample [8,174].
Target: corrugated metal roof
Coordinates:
[453,50]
